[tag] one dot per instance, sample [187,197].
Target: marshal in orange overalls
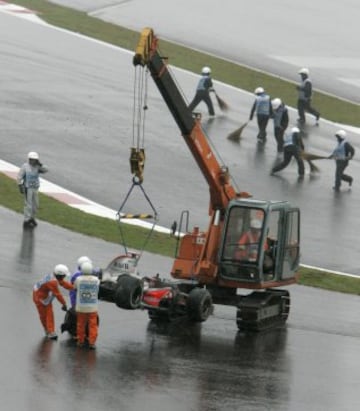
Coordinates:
[44,292]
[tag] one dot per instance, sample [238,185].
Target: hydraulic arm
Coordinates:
[217,177]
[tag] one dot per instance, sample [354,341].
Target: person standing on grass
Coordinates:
[29,182]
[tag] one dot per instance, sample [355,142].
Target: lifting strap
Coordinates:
[137,183]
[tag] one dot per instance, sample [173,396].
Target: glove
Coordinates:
[21,188]
[64,307]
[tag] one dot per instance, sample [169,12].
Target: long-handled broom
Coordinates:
[309,157]
[222,104]
[236,134]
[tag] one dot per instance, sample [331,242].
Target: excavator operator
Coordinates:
[249,242]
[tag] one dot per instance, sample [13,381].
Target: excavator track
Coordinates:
[262,310]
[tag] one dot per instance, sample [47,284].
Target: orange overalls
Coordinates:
[44,292]
[87,287]
[248,246]
[89,321]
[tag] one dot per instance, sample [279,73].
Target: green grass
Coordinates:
[239,76]
[328,281]
[242,77]
[60,214]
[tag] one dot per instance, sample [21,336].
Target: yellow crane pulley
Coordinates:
[137,162]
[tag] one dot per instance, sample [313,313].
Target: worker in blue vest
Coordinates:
[305,96]
[281,121]
[204,87]
[262,108]
[293,146]
[342,153]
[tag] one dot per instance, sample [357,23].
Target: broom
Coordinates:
[309,157]
[313,167]
[236,134]
[222,104]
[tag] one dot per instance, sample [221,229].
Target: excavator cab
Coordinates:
[260,243]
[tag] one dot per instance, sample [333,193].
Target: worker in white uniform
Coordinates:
[29,182]
[87,301]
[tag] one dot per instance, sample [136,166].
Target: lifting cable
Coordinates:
[137,155]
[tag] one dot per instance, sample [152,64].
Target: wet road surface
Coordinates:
[321,35]
[311,364]
[73,104]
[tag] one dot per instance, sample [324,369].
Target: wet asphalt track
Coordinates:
[312,364]
[73,104]
[274,36]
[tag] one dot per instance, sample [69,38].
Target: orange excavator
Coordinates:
[249,244]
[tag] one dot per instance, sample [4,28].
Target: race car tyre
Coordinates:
[128,293]
[69,323]
[199,304]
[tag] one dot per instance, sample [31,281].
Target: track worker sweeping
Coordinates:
[29,183]
[281,121]
[293,146]
[87,286]
[263,109]
[205,85]
[342,153]
[45,291]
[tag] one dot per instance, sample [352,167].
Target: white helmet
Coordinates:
[82,259]
[61,270]
[206,70]
[259,90]
[295,130]
[276,103]
[33,155]
[341,134]
[304,71]
[87,268]
[255,223]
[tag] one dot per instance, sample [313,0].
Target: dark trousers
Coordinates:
[279,137]
[262,121]
[339,173]
[290,152]
[202,95]
[305,106]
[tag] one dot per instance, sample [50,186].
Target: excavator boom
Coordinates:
[212,257]
[217,176]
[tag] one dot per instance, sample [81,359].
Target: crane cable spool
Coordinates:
[137,157]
